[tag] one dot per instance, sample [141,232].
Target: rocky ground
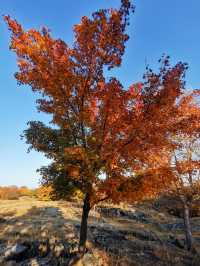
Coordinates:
[46,233]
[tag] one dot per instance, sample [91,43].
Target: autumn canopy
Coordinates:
[108,137]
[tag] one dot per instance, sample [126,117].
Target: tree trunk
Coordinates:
[188,232]
[83,229]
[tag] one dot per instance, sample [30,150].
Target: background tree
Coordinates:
[186,172]
[9,193]
[178,175]
[185,158]
[107,132]
[44,193]
[14,192]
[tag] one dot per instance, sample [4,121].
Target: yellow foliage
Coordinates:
[78,194]
[44,193]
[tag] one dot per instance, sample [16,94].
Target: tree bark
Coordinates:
[83,229]
[188,232]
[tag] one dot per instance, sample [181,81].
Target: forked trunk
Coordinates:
[83,229]
[188,232]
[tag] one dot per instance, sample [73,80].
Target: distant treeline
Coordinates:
[41,193]
[14,192]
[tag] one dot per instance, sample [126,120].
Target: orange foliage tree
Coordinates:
[114,132]
[9,193]
[14,192]
[25,191]
[185,170]
[178,173]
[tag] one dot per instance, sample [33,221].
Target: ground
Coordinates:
[127,235]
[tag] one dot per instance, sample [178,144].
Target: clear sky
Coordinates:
[157,27]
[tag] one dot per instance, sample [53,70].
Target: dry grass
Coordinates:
[119,240]
[35,219]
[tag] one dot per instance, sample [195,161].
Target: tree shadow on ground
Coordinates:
[53,239]
[47,235]
[133,244]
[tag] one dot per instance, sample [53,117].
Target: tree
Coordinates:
[25,191]
[14,192]
[44,193]
[184,164]
[9,193]
[52,142]
[182,167]
[186,172]
[108,132]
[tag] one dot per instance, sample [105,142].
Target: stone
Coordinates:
[26,230]
[43,248]
[117,212]
[53,212]
[59,250]
[16,252]
[53,240]
[43,227]
[70,235]
[2,220]
[173,226]
[11,263]
[180,243]
[33,262]
[44,234]
[38,262]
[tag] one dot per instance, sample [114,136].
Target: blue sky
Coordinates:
[157,27]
